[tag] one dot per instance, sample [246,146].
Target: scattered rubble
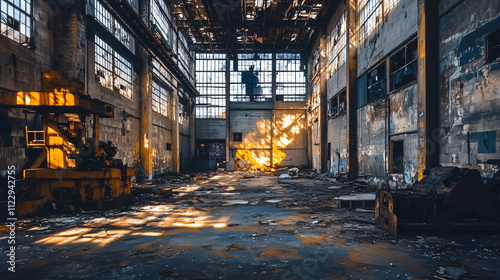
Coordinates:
[269,226]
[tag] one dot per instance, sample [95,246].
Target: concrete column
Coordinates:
[323,103]
[428,94]
[176,168]
[146,151]
[192,129]
[273,91]
[229,158]
[351,90]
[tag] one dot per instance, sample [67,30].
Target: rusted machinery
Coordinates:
[66,170]
[448,197]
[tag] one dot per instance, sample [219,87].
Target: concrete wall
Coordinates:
[402,121]
[377,126]
[295,151]
[162,158]
[211,129]
[337,137]
[372,140]
[469,85]
[469,109]
[393,117]
[398,25]
[336,125]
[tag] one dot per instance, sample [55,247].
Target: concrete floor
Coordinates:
[239,226]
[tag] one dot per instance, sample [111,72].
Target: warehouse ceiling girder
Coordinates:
[233,25]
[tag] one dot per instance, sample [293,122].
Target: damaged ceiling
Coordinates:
[235,25]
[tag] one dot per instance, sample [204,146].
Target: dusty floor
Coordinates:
[239,226]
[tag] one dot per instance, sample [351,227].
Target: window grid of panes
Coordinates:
[104,17]
[211,84]
[252,79]
[162,74]
[370,13]
[337,46]
[103,63]
[160,98]
[112,70]
[160,21]
[290,77]
[15,20]
[123,76]
[185,59]
[315,64]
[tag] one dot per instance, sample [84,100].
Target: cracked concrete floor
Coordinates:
[238,226]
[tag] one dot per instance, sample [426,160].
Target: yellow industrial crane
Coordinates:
[71,171]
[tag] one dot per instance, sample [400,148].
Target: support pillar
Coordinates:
[176,155]
[428,87]
[229,159]
[146,151]
[323,104]
[192,130]
[273,91]
[351,91]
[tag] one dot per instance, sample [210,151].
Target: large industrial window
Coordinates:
[15,21]
[290,77]
[334,106]
[370,14]
[185,60]
[338,104]
[161,88]
[211,84]
[104,17]
[251,77]
[160,98]
[377,82]
[404,65]
[337,46]
[493,46]
[111,69]
[161,23]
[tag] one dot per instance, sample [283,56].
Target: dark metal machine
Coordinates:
[448,197]
[66,169]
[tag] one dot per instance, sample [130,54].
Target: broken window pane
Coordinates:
[404,66]
[377,86]
[160,98]
[160,21]
[334,106]
[15,20]
[112,70]
[336,46]
[104,17]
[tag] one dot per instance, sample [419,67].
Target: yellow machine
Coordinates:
[67,170]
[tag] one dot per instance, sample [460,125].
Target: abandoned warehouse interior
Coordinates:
[301,139]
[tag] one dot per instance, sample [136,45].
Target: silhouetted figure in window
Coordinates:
[250,79]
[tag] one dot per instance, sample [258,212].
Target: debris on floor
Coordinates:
[229,225]
[447,196]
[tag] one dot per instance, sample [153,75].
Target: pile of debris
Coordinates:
[447,197]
